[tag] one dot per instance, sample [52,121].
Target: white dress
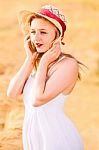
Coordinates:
[46,127]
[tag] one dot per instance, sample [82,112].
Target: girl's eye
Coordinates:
[33,32]
[42,32]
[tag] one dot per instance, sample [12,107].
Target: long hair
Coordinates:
[39,55]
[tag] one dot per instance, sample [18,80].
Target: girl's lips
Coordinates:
[39,45]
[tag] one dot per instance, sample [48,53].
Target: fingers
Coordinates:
[55,49]
[54,54]
[55,46]
[27,37]
[27,40]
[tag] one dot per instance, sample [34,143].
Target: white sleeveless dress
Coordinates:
[46,127]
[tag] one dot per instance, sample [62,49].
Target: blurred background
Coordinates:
[82,41]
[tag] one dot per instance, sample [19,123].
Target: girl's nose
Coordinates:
[37,36]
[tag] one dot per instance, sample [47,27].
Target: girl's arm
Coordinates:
[16,85]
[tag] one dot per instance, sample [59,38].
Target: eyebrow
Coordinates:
[38,29]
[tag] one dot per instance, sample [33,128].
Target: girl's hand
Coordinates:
[52,54]
[29,48]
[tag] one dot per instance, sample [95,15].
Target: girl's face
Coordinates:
[42,34]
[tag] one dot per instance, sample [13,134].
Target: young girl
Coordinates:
[46,79]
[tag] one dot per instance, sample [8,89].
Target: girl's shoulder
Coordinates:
[64,58]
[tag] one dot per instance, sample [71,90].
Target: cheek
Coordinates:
[48,44]
[50,39]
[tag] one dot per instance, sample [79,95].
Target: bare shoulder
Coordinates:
[64,62]
[68,63]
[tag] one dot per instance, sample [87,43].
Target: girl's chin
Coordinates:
[41,50]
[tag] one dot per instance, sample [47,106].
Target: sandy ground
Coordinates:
[82,40]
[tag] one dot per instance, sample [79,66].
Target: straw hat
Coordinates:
[49,12]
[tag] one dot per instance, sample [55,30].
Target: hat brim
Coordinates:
[24,17]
